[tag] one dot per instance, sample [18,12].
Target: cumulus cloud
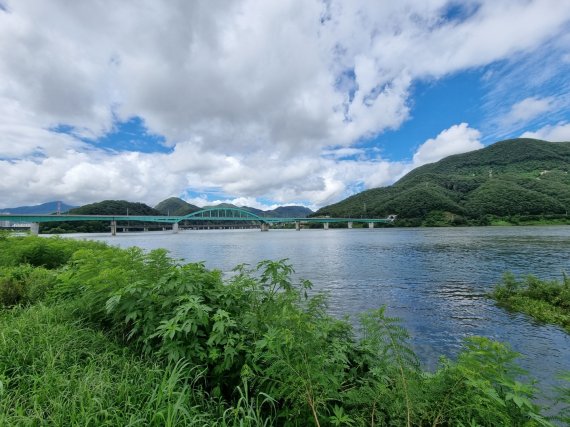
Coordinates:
[455,140]
[555,133]
[255,98]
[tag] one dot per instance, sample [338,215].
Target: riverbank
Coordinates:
[255,347]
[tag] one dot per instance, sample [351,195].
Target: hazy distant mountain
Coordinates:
[175,206]
[44,208]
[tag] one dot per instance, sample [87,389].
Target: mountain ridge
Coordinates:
[508,180]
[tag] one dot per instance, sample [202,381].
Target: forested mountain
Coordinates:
[175,206]
[115,207]
[291,212]
[513,180]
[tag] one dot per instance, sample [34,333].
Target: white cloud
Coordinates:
[455,140]
[527,110]
[251,95]
[555,133]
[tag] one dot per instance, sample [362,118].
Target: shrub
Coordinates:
[24,284]
[51,253]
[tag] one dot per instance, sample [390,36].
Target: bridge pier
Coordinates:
[326,225]
[113,228]
[298,225]
[175,227]
[264,226]
[35,228]
[349,224]
[370,225]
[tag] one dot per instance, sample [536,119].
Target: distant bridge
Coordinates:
[209,215]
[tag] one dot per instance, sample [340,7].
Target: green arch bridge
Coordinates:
[209,215]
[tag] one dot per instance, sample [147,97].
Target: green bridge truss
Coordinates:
[210,214]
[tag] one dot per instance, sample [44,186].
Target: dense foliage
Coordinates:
[125,337]
[515,181]
[175,206]
[545,300]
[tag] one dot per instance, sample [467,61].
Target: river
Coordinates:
[434,279]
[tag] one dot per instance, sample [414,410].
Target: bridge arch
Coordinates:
[223,214]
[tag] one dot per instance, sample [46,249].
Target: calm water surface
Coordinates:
[434,279]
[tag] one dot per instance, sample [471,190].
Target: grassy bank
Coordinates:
[545,300]
[56,371]
[96,335]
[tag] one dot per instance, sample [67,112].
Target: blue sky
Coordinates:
[266,103]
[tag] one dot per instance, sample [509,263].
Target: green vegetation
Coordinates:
[175,206]
[515,181]
[545,300]
[122,337]
[106,207]
[56,371]
[115,207]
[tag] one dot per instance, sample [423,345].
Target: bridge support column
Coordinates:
[326,225]
[113,228]
[349,224]
[175,227]
[298,225]
[264,226]
[35,228]
[370,225]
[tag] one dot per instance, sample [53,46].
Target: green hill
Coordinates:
[517,180]
[291,212]
[175,206]
[115,207]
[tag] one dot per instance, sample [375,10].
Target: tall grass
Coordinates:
[55,371]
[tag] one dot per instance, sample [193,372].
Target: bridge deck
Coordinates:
[208,214]
[173,219]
